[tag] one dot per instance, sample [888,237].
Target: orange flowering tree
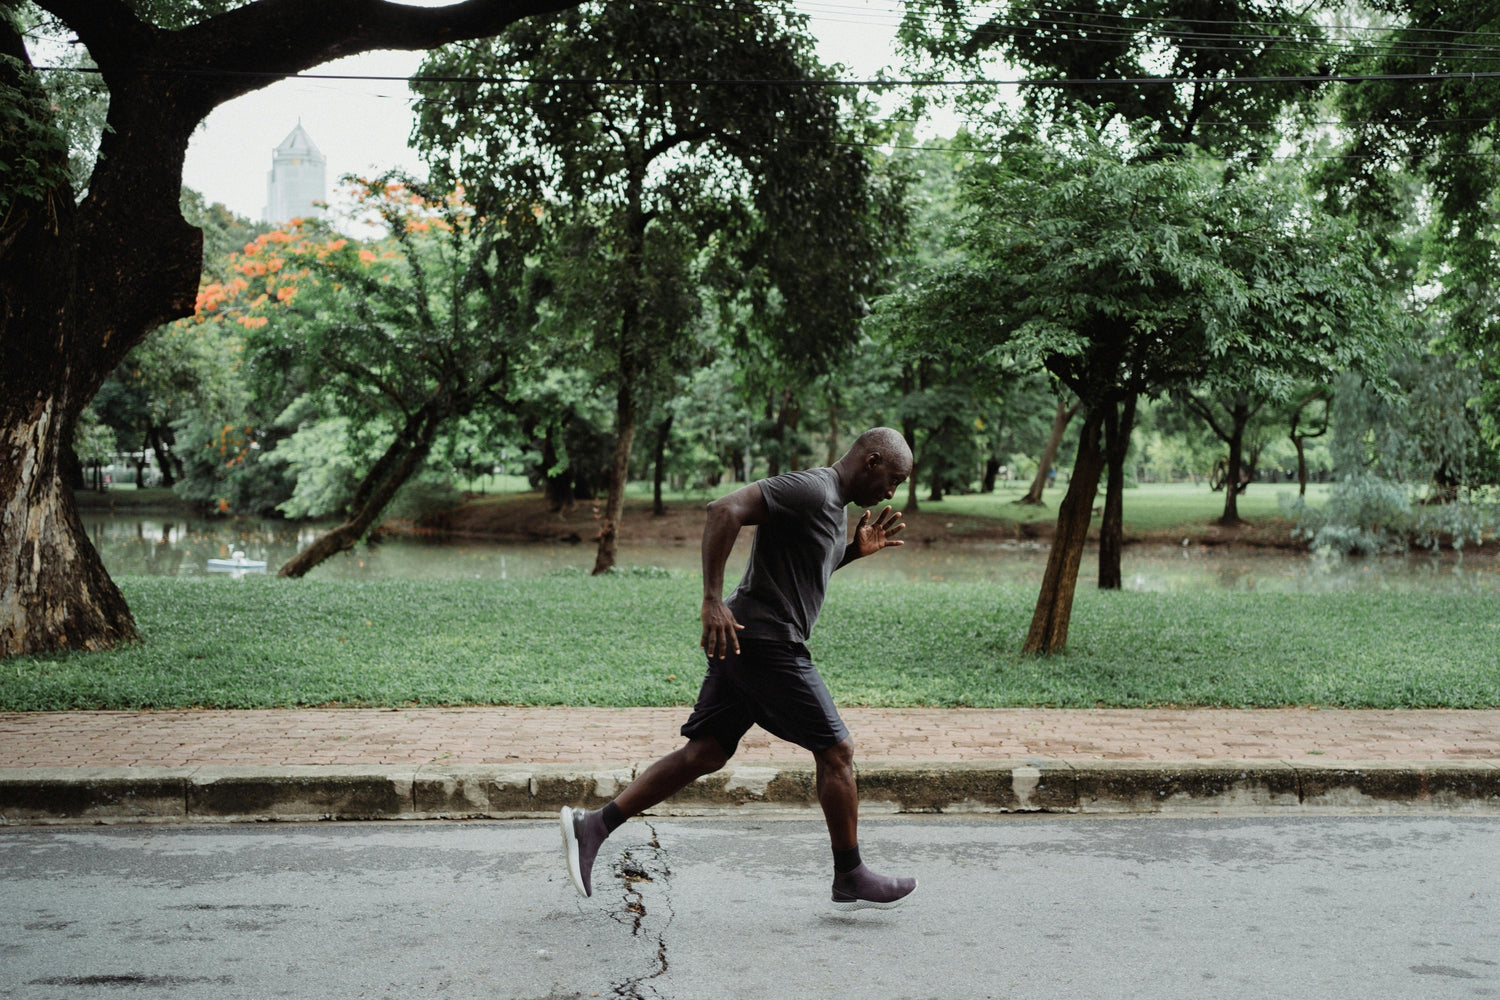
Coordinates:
[386,340]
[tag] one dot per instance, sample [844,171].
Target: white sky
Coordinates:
[363,125]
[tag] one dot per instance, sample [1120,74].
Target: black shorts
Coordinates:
[770,684]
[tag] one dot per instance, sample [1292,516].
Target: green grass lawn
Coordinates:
[631,639]
[1146,508]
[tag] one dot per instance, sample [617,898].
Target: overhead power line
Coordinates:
[875,84]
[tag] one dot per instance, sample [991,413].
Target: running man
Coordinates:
[759,670]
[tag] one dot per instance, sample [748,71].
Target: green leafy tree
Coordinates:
[83,280]
[645,176]
[1121,278]
[1169,71]
[1443,134]
[1166,65]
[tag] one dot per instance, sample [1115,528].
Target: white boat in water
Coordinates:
[237,563]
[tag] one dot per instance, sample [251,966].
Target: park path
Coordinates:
[579,735]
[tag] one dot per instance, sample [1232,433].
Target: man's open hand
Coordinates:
[872,536]
[720,630]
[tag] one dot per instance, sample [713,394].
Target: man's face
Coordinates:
[879,480]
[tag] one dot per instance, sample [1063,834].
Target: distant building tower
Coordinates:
[296,180]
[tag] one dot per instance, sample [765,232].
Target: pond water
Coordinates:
[168,546]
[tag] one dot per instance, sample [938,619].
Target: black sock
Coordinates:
[845,859]
[612,817]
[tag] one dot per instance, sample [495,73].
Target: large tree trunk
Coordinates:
[54,591]
[1054,605]
[1112,527]
[1060,423]
[375,491]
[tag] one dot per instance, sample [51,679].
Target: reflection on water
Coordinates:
[182,547]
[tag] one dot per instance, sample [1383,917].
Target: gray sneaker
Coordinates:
[862,889]
[582,833]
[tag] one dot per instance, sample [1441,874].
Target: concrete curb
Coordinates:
[44,796]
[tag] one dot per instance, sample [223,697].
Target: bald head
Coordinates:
[885,442]
[874,466]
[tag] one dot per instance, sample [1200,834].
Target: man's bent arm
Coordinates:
[726,515]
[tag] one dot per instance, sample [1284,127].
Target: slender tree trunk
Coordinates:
[1060,423]
[909,385]
[909,434]
[164,457]
[1112,527]
[556,486]
[663,432]
[1054,605]
[833,426]
[619,471]
[374,493]
[991,470]
[1240,415]
[1299,437]
[627,368]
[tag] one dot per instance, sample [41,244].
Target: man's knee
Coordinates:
[705,755]
[840,756]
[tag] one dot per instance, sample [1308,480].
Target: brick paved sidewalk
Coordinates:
[579,735]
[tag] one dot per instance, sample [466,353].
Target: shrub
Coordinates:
[1367,515]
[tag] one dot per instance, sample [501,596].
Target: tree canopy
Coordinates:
[1126,276]
[664,146]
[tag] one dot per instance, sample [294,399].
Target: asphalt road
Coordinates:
[1054,907]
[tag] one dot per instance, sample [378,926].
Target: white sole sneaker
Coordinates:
[570,849]
[849,905]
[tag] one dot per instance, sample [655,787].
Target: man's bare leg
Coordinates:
[672,773]
[584,831]
[838,794]
[854,885]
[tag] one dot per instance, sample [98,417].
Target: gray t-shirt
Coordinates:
[792,556]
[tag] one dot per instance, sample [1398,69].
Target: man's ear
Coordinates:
[872,460]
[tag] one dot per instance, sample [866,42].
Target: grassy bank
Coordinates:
[631,640]
[1147,509]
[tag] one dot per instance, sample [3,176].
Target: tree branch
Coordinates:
[109,29]
[361,374]
[253,46]
[1192,402]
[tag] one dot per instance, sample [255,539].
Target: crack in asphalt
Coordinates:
[645,864]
